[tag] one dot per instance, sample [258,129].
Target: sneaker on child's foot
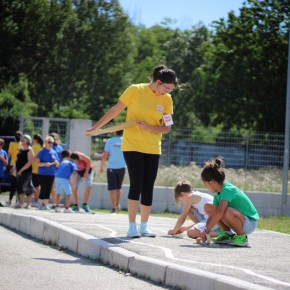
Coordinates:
[57,209]
[75,208]
[113,210]
[133,231]
[27,206]
[17,206]
[53,206]
[86,208]
[223,238]
[8,203]
[68,210]
[40,207]
[35,204]
[239,240]
[118,207]
[46,207]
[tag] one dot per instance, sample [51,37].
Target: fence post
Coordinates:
[21,124]
[247,151]
[45,128]
[169,149]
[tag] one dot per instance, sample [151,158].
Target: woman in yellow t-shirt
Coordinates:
[151,106]
[36,147]
[13,150]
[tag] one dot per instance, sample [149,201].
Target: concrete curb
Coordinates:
[91,247]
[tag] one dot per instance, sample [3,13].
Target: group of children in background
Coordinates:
[45,169]
[228,217]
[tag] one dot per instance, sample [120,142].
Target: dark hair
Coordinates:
[212,171]
[165,75]
[119,133]
[18,136]
[39,139]
[74,156]
[65,154]
[182,186]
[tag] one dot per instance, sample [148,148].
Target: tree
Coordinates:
[14,102]
[244,77]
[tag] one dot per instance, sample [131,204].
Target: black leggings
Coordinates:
[46,182]
[142,169]
[13,187]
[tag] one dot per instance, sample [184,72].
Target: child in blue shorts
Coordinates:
[66,169]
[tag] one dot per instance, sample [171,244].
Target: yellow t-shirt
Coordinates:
[36,148]
[144,105]
[13,150]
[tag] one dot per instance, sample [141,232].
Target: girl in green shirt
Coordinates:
[232,210]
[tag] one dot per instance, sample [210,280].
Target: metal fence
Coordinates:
[239,150]
[45,126]
[181,147]
[253,162]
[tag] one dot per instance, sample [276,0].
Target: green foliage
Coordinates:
[77,58]
[14,102]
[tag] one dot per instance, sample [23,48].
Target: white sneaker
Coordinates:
[46,207]
[133,231]
[68,210]
[118,207]
[57,209]
[145,232]
[35,204]
[27,206]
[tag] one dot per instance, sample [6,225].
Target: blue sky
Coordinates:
[185,12]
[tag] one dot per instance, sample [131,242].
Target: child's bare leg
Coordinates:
[193,233]
[192,216]
[57,199]
[234,219]
[67,201]
[210,209]
[29,198]
[113,196]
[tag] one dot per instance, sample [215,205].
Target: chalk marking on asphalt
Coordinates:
[168,253]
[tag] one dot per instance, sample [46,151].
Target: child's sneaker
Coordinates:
[240,240]
[86,208]
[27,206]
[46,207]
[224,238]
[57,209]
[133,231]
[35,204]
[75,208]
[17,206]
[68,210]
[118,207]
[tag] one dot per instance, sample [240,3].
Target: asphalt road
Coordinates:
[28,264]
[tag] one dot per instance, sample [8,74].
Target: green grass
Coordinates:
[273,223]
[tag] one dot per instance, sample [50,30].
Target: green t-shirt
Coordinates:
[237,200]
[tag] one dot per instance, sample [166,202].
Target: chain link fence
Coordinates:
[254,162]
[46,126]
